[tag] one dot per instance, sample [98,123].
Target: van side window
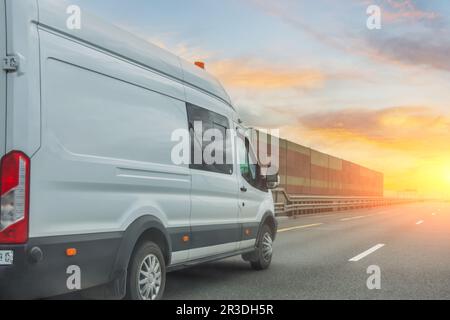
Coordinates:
[216,125]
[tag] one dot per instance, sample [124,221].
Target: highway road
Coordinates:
[326,256]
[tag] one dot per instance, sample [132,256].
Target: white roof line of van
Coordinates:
[116,41]
[122,57]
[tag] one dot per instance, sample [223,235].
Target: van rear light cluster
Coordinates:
[15,193]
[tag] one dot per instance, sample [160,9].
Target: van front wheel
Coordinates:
[147,273]
[263,253]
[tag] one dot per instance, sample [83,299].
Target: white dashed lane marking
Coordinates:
[366,253]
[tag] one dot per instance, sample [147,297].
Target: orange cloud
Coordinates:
[411,145]
[386,126]
[248,74]
[183,50]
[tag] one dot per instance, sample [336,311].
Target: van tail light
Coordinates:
[15,195]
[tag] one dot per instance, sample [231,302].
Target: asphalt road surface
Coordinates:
[326,256]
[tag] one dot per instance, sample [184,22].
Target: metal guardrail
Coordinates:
[287,205]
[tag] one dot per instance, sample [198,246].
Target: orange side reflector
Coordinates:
[248,232]
[185,238]
[71,252]
[200,64]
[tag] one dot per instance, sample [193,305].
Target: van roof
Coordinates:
[115,40]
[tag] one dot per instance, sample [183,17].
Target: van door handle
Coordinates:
[244,189]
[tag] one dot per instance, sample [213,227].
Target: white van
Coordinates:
[90,196]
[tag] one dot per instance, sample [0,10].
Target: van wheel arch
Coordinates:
[269,220]
[146,228]
[156,236]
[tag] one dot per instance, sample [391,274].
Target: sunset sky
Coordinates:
[380,98]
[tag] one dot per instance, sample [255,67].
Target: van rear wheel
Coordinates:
[262,256]
[146,278]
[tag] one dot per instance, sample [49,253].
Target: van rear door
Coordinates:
[2,78]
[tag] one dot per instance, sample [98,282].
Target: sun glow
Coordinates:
[432,179]
[447,175]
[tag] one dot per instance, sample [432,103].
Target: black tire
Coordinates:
[150,252]
[261,260]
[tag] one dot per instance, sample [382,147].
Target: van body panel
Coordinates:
[23,86]
[94,31]
[214,207]
[107,164]
[2,79]
[208,102]
[199,78]
[116,41]
[254,203]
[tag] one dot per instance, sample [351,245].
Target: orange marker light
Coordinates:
[186,239]
[247,232]
[71,252]
[200,64]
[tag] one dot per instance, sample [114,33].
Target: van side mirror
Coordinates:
[273,181]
